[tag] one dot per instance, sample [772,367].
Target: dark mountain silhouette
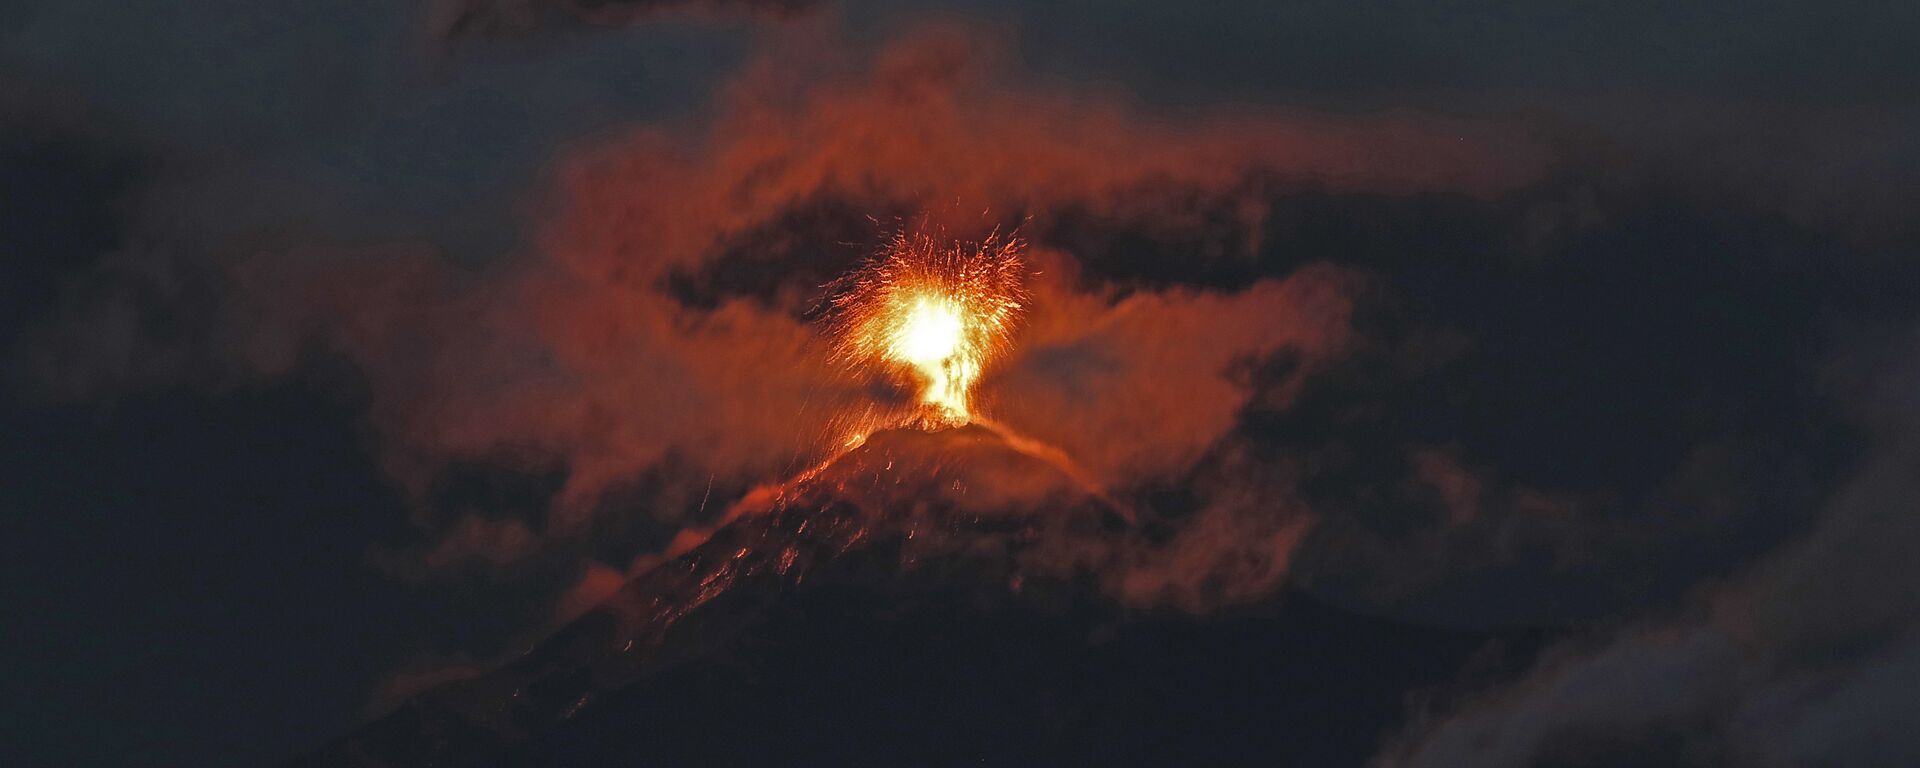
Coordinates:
[883,611]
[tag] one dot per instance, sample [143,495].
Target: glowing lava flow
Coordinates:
[938,311]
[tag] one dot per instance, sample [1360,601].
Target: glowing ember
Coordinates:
[938,312]
[930,334]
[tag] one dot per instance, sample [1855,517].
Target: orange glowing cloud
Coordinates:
[1144,384]
[582,353]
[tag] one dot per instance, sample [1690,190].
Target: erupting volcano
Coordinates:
[938,491]
[934,311]
[932,552]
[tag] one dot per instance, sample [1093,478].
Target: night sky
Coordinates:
[1472,383]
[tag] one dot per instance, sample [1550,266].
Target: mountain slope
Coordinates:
[897,607]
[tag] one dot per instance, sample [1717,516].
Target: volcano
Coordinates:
[923,600]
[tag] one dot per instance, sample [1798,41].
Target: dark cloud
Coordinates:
[1624,371]
[1395,52]
[493,18]
[1796,105]
[1792,662]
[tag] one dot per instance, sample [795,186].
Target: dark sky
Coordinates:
[352,346]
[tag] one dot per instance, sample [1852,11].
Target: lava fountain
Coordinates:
[935,311]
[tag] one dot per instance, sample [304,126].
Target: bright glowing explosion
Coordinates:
[939,312]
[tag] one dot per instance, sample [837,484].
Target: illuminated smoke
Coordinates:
[935,312]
